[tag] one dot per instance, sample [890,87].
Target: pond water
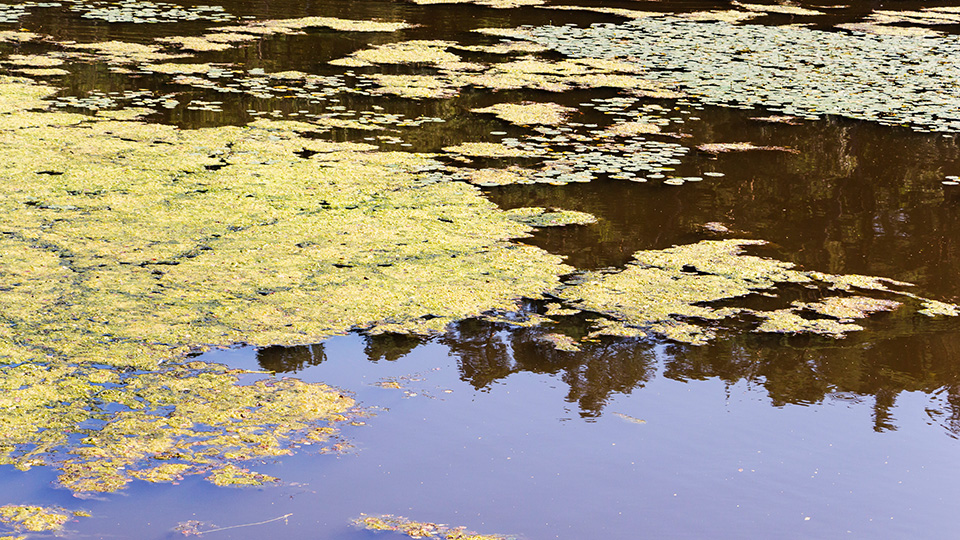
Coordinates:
[494,426]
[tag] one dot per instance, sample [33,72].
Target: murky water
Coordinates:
[491,427]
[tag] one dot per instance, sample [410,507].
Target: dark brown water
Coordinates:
[747,437]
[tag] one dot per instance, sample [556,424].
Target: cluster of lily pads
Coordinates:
[145,11]
[628,149]
[798,71]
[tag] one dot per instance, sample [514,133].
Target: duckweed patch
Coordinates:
[669,292]
[420,529]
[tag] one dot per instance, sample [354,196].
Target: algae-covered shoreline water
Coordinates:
[478,269]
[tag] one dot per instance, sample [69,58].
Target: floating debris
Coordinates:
[628,418]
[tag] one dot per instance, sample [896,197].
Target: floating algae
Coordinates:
[121,52]
[103,428]
[541,217]
[720,148]
[154,241]
[561,342]
[420,529]
[405,52]
[487,149]
[669,293]
[528,113]
[193,43]
[27,518]
[497,4]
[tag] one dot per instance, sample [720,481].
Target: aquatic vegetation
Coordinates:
[528,113]
[144,11]
[669,292]
[719,148]
[171,68]
[103,428]
[411,86]
[541,217]
[192,43]
[497,177]
[405,52]
[778,119]
[120,52]
[26,518]
[791,70]
[33,60]
[932,16]
[333,23]
[620,12]
[497,4]
[18,36]
[420,529]
[561,342]
[784,9]
[507,47]
[630,129]
[367,241]
[487,149]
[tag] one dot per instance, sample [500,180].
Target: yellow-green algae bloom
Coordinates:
[420,529]
[103,428]
[30,518]
[127,243]
[674,293]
